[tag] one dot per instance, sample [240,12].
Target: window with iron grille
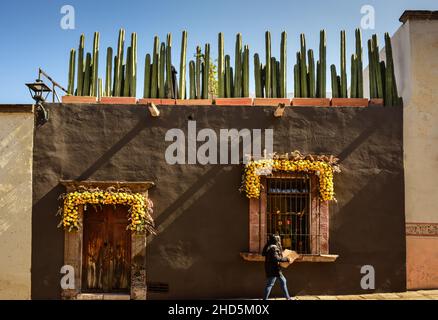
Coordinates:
[288,206]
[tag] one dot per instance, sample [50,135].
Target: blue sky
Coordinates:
[32,37]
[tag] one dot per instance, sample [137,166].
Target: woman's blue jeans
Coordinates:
[270,283]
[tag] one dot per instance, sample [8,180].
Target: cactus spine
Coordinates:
[80,83]
[71,72]
[182,66]
[119,64]
[268,65]
[147,77]
[155,65]
[343,88]
[198,72]
[303,67]
[206,73]
[245,71]
[238,67]
[220,66]
[169,83]
[322,64]
[228,77]
[257,76]
[283,65]
[108,73]
[161,87]
[312,91]
[192,79]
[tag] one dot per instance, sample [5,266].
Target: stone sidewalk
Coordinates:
[409,295]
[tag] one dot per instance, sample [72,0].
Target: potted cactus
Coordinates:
[271,79]
[234,91]
[339,83]
[310,82]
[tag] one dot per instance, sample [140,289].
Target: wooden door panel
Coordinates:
[107,250]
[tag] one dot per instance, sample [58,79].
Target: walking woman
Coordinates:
[273,256]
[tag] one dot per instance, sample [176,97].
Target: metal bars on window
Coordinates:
[288,212]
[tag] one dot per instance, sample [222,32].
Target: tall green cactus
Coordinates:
[268,64]
[108,72]
[312,89]
[335,82]
[343,89]
[257,76]
[206,74]
[318,80]
[371,71]
[133,71]
[283,65]
[80,82]
[147,77]
[354,77]
[274,83]
[192,79]
[119,64]
[87,75]
[322,64]
[359,71]
[379,80]
[95,70]
[297,76]
[391,94]
[161,87]
[127,73]
[198,72]
[238,67]
[71,72]
[100,88]
[221,66]
[303,67]
[155,68]
[245,71]
[182,67]
[169,81]
[228,78]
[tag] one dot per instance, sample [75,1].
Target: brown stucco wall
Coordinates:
[201,216]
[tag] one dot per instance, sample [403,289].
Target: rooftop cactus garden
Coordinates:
[162,80]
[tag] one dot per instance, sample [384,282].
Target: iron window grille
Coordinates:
[288,213]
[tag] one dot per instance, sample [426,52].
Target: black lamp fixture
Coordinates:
[39,92]
[38,89]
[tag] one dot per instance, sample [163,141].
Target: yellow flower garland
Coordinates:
[254,169]
[140,207]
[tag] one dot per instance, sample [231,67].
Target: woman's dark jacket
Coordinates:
[273,257]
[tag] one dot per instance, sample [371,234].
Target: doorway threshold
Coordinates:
[103,296]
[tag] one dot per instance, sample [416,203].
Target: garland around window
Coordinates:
[322,166]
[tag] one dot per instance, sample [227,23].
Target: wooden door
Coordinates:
[106,254]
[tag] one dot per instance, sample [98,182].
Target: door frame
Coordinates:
[73,242]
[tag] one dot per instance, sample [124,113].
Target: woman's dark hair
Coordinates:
[273,239]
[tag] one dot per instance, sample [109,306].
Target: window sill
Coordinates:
[257,257]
